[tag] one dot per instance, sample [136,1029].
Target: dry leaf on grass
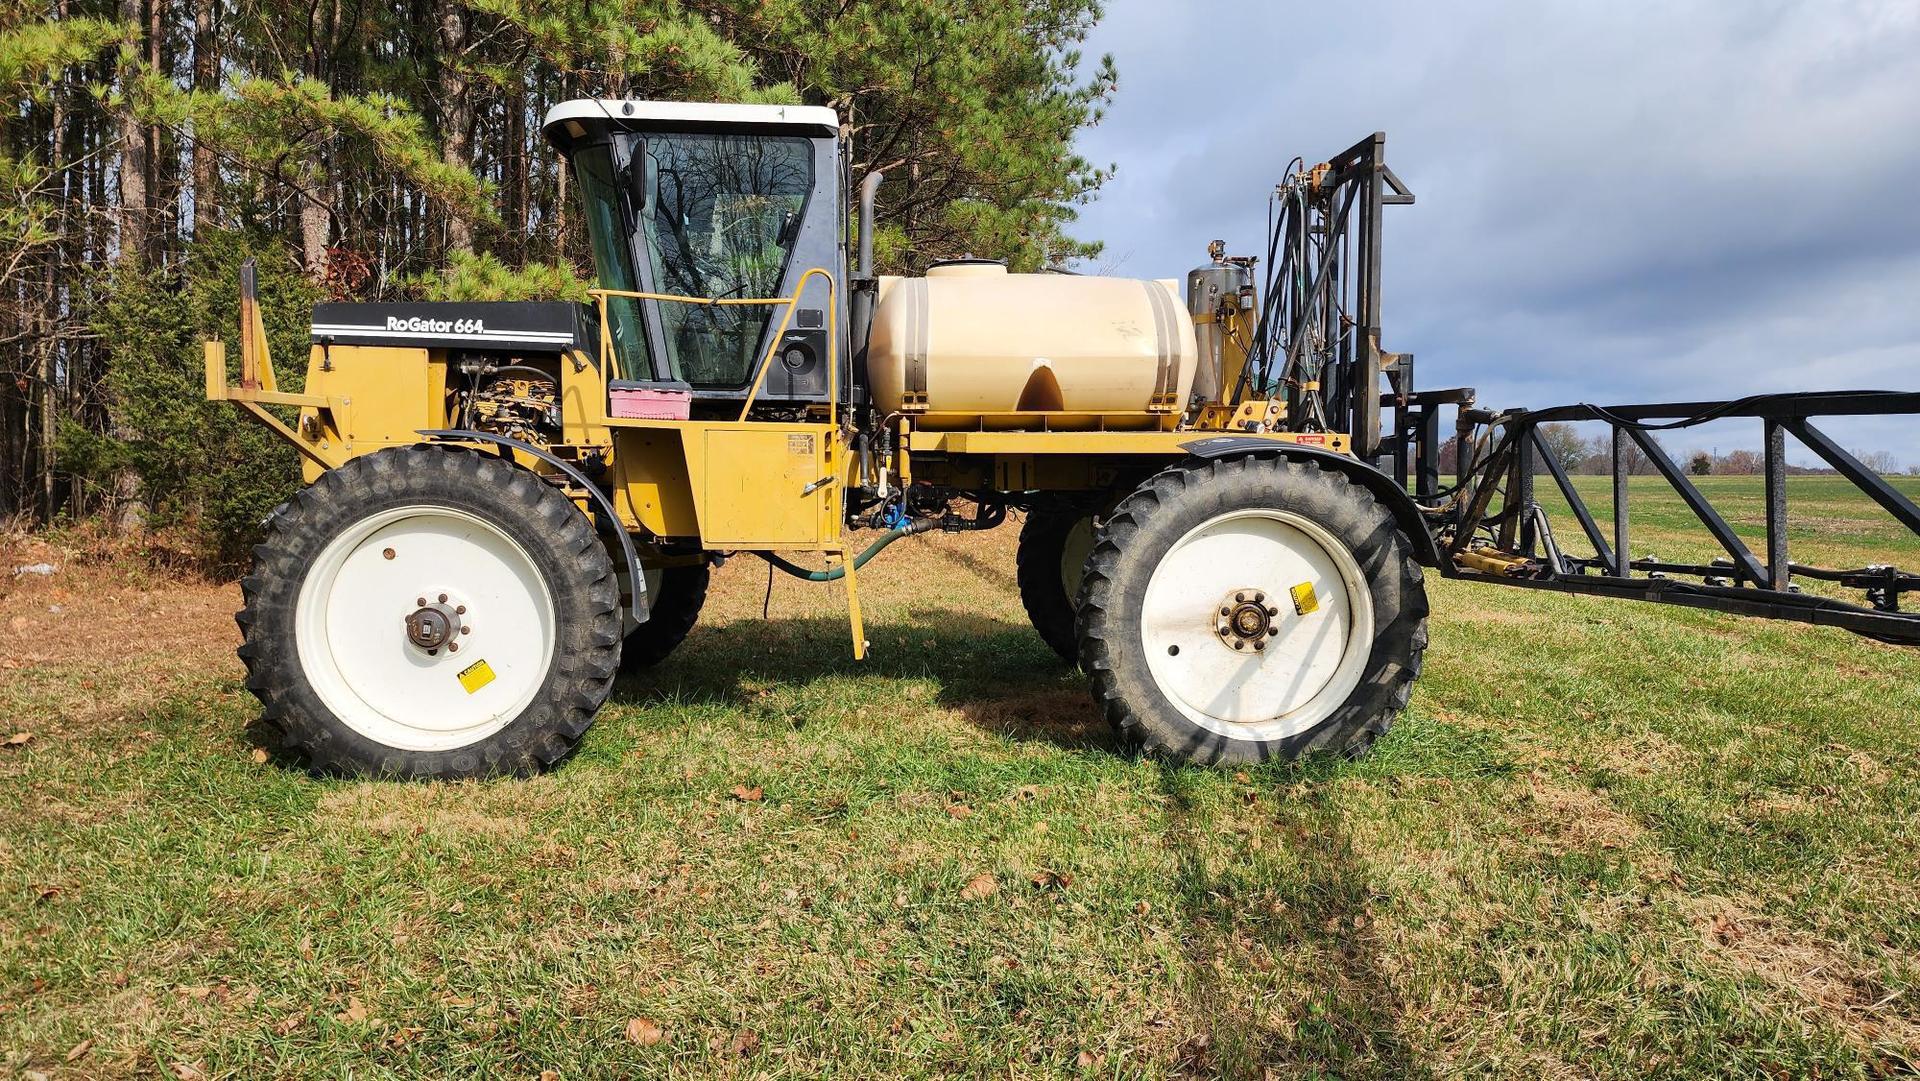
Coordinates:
[354,1014]
[979,888]
[286,1025]
[643,1031]
[1727,930]
[549,1075]
[1051,880]
[20,739]
[80,1050]
[260,756]
[747,795]
[745,1042]
[959,810]
[188,1071]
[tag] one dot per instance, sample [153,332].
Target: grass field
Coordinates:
[1607,840]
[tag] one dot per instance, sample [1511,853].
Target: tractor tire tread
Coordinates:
[556,535]
[1134,707]
[671,614]
[1043,538]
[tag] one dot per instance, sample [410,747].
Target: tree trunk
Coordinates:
[136,220]
[456,113]
[50,314]
[206,74]
[134,166]
[313,235]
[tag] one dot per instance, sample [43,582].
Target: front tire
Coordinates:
[430,612]
[1251,608]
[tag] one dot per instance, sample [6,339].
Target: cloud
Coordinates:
[1625,202]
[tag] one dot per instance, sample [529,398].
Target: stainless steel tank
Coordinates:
[1213,292]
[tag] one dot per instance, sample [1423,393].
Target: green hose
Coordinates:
[837,573]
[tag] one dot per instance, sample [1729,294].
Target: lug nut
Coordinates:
[1271,631]
[1239,598]
[1260,645]
[1239,644]
[453,647]
[459,609]
[443,598]
[466,630]
[1273,613]
[420,602]
[1226,611]
[388,552]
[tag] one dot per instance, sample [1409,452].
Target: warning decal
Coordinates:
[475,676]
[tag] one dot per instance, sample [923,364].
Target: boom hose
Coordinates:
[834,574]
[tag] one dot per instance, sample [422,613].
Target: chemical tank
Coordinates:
[971,344]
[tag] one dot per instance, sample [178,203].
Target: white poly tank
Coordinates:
[972,339]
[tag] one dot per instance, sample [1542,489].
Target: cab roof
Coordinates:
[571,120]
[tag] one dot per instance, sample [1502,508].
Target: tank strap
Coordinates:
[919,334]
[1166,377]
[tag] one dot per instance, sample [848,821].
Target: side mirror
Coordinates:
[636,179]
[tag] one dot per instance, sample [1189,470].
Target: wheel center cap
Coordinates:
[1245,620]
[1249,621]
[432,626]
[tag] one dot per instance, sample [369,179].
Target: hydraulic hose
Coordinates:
[834,574]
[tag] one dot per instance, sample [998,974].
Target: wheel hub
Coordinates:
[435,625]
[1245,621]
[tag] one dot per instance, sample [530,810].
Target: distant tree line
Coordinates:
[391,150]
[1580,454]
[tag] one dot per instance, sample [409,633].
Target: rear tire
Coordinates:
[675,596]
[1049,564]
[430,612]
[1189,628]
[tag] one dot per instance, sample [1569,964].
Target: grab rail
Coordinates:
[607,356]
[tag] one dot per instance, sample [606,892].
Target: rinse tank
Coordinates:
[972,344]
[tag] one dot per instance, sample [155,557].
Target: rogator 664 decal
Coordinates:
[423,325]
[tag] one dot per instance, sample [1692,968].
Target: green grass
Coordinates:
[1608,839]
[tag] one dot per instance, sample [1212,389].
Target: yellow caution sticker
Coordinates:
[1304,600]
[475,676]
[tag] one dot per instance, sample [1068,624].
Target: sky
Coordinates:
[1617,202]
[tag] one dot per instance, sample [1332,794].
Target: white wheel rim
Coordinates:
[351,636]
[1310,663]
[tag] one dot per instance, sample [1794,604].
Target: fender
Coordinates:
[600,500]
[1406,513]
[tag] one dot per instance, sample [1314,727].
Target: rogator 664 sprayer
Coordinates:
[510,503]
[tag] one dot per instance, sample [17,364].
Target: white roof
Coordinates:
[689,112]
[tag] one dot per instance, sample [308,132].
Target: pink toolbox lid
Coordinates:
[649,403]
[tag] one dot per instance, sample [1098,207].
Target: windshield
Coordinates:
[723,212]
[613,257]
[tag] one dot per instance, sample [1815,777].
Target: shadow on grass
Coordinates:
[1317,917]
[998,675]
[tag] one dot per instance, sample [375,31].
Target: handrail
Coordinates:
[773,345]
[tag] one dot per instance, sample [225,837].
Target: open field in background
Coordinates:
[1608,840]
[1830,522]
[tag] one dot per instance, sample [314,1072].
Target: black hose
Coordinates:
[834,574]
